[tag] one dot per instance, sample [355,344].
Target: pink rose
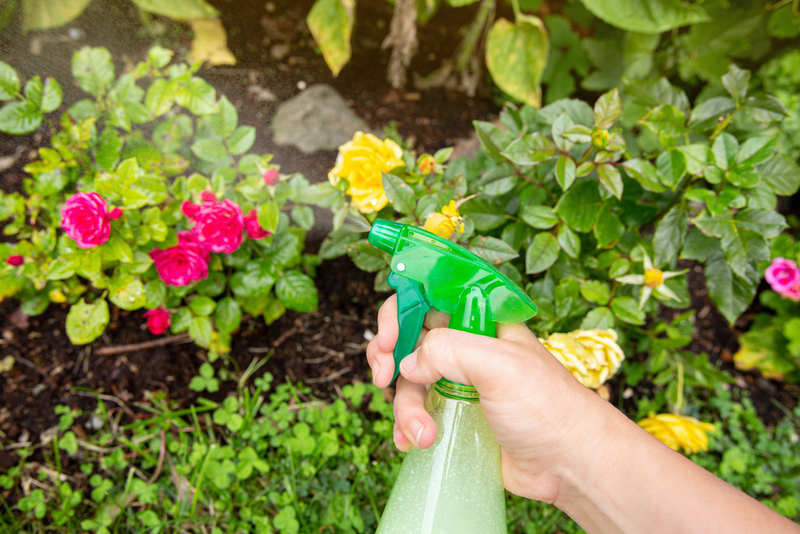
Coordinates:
[253,229]
[793,293]
[271,177]
[217,225]
[86,219]
[782,275]
[15,260]
[157,321]
[208,196]
[184,263]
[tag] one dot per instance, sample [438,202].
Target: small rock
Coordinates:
[368,334]
[301,85]
[262,94]
[279,51]
[76,34]
[603,392]
[628,393]
[316,119]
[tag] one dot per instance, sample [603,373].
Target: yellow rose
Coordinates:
[678,431]
[361,161]
[592,356]
[427,165]
[445,223]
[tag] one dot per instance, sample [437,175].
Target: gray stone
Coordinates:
[316,119]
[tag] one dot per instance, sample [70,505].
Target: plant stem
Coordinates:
[473,35]
[679,400]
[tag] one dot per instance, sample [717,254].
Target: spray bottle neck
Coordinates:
[454,390]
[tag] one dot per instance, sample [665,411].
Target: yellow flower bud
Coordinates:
[57,296]
[600,138]
[592,356]
[440,225]
[678,431]
[361,161]
[427,165]
[445,223]
[653,277]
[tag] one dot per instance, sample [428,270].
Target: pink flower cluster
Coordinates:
[218,227]
[784,277]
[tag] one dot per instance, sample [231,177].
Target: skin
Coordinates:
[561,443]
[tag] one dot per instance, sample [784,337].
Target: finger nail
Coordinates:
[375,366]
[416,428]
[397,436]
[409,363]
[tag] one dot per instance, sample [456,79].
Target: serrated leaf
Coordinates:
[607,109]
[596,291]
[765,108]
[645,173]
[241,140]
[20,118]
[579,206]
[86,322]
[224,123]
[529,150]
[569,241]
[209,149]
[565,172]
[493,138]
[541,217]
[627,310]
[228,315]
[782,175]
[730,293]
[399,193]
[297,292]
[52,96]
[599,318]
[493,250]
[366,257]
[159,98]
[45,14]
[331,24]
[725,148]
[9,81]
[670,234]
[93,68]
[671,167]
[201,331]
[542,253]
[198,96]
[130,295]
[736,82]
[611,179]
[756,150]
[516,55]
[713,108]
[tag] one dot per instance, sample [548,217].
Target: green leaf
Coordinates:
[268,215]
[128,293]
[565,172]
[610,178]
[209,149]
[756,150]
[668,122]
[736,82]
[51,97]
[485,214]
[19,118]
[241,140]
[765,108]
[331,24]
[297,292]
[366,257]
[155,292]
[516,55]
[671,167]
[399,193]
[530,150]
[647,16]
[541,217]
[496,181]
[228,316]
[599,318]
[198,96]
[303,216]
[9,82]
[493,250]
[725,148]
[160,97]
[180,321]
[596,291]
[609,229]
[201,331]
[542,253]
[696,156]
[109,149]
[607,109]
[45,14]
[730,293]
[781,174]
[224,123]
[569,241]
[713,108]
[493,138]
[670,234]
[178,9]
[202,306]
[579,206]
[93,68]
[645,173]
[85,322]
[626,309]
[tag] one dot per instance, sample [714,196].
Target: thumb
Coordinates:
[462,357]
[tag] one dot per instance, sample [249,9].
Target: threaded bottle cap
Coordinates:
[384,235]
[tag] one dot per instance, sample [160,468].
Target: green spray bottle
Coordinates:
[456,485]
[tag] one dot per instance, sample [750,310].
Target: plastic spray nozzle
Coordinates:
[431,272]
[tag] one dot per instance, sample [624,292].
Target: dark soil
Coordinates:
[324,349]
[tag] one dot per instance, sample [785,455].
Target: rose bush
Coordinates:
[156,221]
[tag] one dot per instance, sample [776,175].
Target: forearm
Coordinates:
[624,480]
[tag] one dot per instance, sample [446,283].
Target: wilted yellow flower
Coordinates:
[592,356]
[361,161]
[427,165]
[678,431]
[446,222]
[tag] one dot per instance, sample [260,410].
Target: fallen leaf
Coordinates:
[6,364]
[210,43]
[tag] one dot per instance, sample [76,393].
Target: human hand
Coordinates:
[541,416]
